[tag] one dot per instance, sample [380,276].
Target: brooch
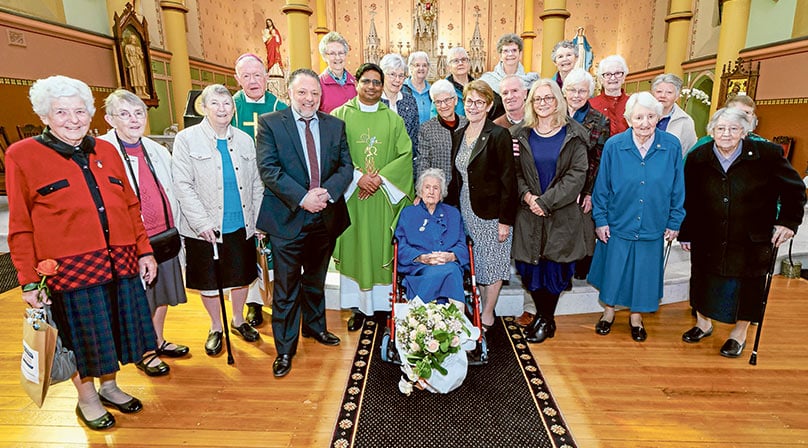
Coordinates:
[423,226]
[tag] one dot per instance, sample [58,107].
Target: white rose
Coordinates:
[405,386]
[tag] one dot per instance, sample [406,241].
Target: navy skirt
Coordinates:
[237,262]
[727,299]
[87,325]
[550,275]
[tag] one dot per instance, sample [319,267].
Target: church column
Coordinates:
[297,20]
[732,38]
[553,18]
[177,43]
[321,30]
[678,21]
[528,35]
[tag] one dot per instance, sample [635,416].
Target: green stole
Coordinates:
[246,113]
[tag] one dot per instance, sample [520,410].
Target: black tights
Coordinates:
[545,302]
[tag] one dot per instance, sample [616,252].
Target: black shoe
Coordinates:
[177,352]
[696,334]
[325,337]
[732,348]
[603,327]
[130,407]
[255,315]
[213,346]
[106,421]
[158,370]
[282,365]
[245,331]
[356,321]
[638,333]
[539,330]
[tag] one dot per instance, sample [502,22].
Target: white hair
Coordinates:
[644,99]
[44,91]
[577,76]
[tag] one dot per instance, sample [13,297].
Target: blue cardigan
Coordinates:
[639,198]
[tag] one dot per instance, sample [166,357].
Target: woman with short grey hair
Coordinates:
[219,191]
[148,168]
[611,102]
[578,87]
[399,100]
[666,89]
[564,56]
[338,84]
[744,199]
[418,86]
[432,250]
[435,135]
[637,204]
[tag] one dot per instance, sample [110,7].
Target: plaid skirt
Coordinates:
[87,325]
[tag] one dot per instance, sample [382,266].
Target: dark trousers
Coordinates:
[546,303]
[300,269]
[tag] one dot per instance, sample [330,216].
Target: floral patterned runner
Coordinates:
[505,403]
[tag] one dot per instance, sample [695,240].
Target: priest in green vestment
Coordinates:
[251,101]
[382,157]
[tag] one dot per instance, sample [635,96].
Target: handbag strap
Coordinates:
[151,170]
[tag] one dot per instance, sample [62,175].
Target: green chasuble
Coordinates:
[246,114]
[378,141]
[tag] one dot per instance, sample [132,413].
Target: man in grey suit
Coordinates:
[306,166]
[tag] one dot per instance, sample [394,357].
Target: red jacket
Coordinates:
[52,214]
[613,107]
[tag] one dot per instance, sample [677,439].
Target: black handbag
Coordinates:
[166,244]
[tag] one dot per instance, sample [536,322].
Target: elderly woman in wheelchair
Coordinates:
[432,250]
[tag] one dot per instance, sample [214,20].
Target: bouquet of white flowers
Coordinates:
[429,338]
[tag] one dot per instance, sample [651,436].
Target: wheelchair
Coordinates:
[477,356]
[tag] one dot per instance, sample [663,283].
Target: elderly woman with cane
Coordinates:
[733,224]
[219,190]
[69,201]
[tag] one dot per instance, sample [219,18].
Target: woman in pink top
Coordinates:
[337,84]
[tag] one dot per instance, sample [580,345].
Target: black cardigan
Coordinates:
[730,216]
[492,182]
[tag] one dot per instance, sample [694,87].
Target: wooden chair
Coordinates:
[4,143]
[29,130]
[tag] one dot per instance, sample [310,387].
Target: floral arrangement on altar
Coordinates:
[696,94]
[431,339]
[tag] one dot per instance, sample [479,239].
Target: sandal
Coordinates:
[177,352]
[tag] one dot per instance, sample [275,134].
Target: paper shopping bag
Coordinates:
[265,272]
[38,348]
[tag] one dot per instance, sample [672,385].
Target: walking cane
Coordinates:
[667,255]
[218,269]
[769,275]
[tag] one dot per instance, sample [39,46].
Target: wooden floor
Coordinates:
[612,391]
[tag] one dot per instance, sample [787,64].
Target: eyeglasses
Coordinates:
[509,51]
[581,92]
[733,130]
[332,54]
[126,115]
[459,61]
[613,74]
[395,75]
[374,82]
[544,99]
[419,65]
[444,102]
[476,103]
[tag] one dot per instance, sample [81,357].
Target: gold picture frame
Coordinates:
[738,78]
[134,59]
